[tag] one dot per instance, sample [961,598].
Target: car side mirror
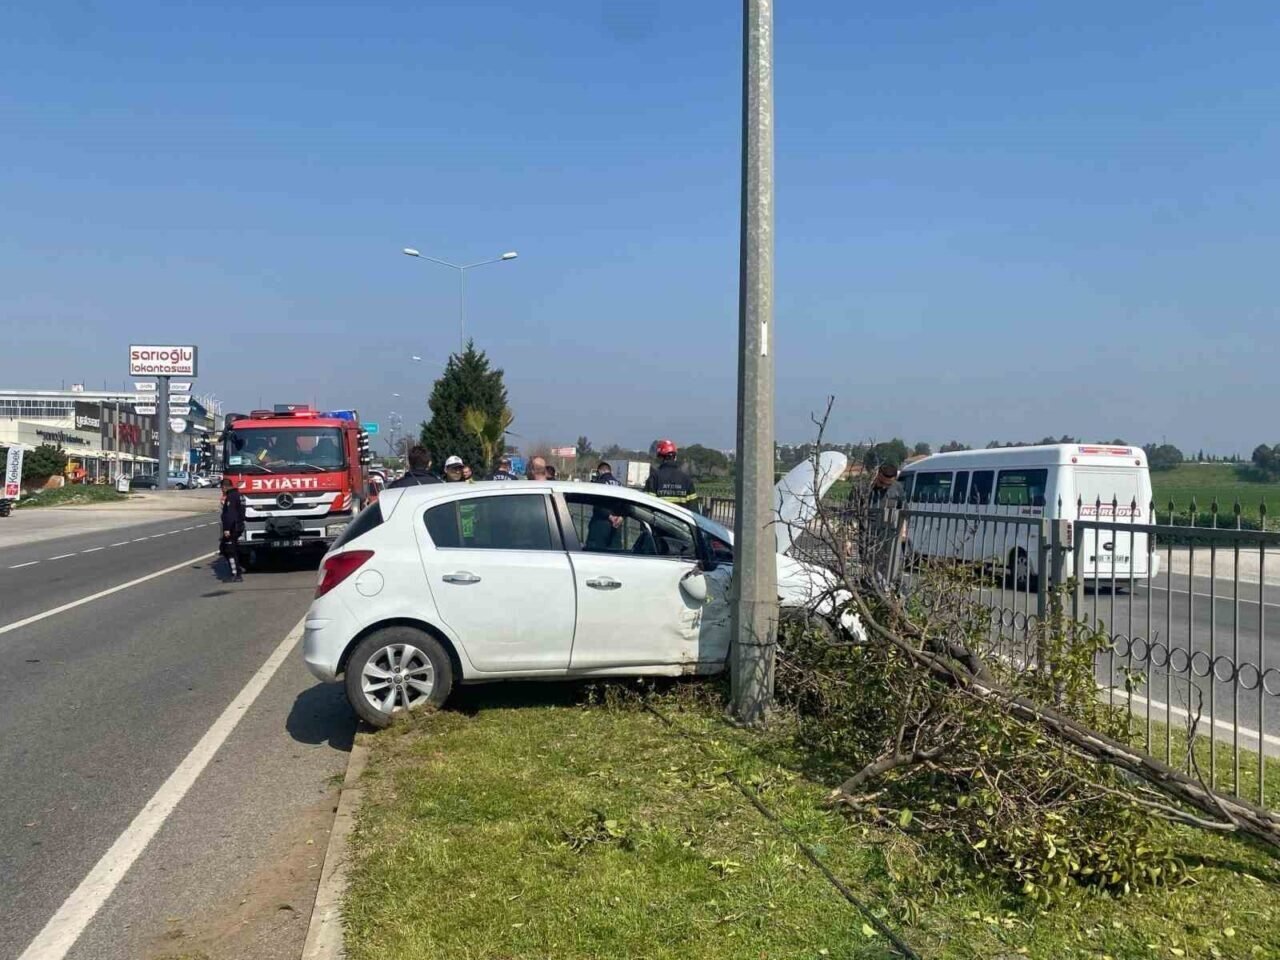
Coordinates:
[694,586]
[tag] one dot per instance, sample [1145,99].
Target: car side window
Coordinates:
[491,523]
[612,525]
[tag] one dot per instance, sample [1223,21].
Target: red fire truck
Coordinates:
[303,474]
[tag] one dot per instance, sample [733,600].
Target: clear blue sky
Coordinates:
[994,220]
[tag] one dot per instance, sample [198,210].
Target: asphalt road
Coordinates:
[101,702]
[1224,647]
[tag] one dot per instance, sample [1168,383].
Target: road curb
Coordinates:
[324,934]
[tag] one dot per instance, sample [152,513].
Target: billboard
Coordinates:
[13,474]
[156,361]
[88,416]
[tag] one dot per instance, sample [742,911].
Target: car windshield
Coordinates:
[283,450]
[721,538]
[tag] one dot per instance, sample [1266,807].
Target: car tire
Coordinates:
[393,652]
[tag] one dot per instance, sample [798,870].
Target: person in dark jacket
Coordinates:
[604,531]
[504,470]
[419,471]
[604,474]
[671,482]
[232,527]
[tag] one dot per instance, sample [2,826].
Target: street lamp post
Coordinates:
[462,269]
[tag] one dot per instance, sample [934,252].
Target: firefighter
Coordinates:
[232,527]
[670,482]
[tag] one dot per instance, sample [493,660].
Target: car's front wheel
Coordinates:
[397,669]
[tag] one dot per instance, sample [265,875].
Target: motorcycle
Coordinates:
[6,507]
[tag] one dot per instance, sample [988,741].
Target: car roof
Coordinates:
[439,492]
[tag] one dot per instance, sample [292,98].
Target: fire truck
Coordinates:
[303,474]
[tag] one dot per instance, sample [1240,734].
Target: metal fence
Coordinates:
[1183,608]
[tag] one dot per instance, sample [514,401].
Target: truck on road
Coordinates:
[303,474]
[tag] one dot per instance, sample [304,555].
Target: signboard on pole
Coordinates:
[145,410]
[177,425]
[13,474]
[162,361]
[145,386]
[177,387]
[370,428]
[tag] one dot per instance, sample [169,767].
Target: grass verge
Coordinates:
[69,496]
[532,821]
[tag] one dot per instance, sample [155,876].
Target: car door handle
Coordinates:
[604,583]
[462,576]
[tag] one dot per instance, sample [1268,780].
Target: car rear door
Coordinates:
[500,580]
[631,609]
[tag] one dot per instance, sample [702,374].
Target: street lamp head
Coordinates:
[510,255]
[416,359]
[410,252]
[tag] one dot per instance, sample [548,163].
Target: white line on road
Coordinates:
[185,529]
[1220,597]
[122,543]
[1179,712]
[175,531]
[29,563]
[139,540]
[93,550]
[62,556]
[64,927]
[19,624]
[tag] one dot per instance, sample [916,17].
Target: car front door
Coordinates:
[628,564]
[501,580]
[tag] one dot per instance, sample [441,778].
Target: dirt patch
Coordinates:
[266,917]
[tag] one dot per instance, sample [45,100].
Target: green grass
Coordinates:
[527,822]
[70,495]
[1204,481]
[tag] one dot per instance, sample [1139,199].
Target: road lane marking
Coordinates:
[185,529]
[35,618]
[93,550]
[122,543]
[175,531]
[1180,712]
[64,927]
[139,540]
[29,563]
[62,556]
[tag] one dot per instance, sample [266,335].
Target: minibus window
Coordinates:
[1021,488]
[932,488]
[980,491]
[960,489]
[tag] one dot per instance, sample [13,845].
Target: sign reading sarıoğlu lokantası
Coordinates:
[162,361]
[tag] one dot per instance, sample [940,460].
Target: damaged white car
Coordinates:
[465,583]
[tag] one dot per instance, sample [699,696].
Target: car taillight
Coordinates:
[337,568]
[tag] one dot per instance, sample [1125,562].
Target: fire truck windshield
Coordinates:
[271,449]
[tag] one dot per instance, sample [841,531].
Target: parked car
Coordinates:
[180,480]
[143,481]
[438,585]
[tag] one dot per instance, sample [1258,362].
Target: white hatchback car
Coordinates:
[462,583]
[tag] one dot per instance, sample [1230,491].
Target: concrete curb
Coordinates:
[324,935]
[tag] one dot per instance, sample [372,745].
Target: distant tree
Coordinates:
[893,452]
[1118,443]
[953,446]
[468,383]
[43,462]
[703,461]
[1164,456]
[1267,460]
[921,449]
[585,452]
[1065,438]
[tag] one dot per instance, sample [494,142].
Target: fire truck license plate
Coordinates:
[284,543]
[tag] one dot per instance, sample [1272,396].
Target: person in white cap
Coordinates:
[453,469]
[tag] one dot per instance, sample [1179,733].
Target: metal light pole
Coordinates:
[755,590]
[462,269]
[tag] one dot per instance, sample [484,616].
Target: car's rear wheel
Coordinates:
[395,670]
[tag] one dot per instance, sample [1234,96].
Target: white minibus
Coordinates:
[1061,481]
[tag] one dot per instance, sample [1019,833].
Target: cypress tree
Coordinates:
[468,382]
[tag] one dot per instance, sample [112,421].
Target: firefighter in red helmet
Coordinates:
[670,481]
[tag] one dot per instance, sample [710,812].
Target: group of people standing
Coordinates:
[669,481]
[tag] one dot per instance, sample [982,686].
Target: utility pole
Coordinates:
[755,591]
[162,420]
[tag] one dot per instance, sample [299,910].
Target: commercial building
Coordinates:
[102,435]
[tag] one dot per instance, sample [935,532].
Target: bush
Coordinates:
[43,462]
